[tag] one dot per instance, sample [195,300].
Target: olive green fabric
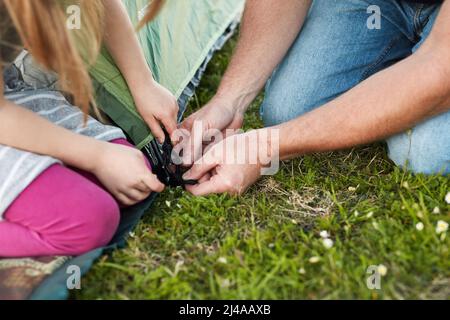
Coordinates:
[175,46]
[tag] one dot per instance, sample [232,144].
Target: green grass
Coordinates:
[259,246]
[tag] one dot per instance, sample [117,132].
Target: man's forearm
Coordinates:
[268,29]
[390,102]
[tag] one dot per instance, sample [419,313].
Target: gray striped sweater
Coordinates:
[19,168]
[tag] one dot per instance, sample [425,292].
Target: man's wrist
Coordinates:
[290,146]
[238,101]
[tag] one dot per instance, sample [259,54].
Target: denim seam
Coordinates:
[409,133]
[417,23]
[380,59]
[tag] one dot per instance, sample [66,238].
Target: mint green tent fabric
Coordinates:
[175,46]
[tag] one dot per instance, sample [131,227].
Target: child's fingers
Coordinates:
[142,187]
[170,124]
[156,129]
[124,200]
[151,181]
[136,195]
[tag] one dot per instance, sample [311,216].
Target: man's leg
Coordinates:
[334,52]
[426,147]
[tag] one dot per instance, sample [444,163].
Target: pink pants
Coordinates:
[62,212]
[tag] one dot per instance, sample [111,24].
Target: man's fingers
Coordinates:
[210,186]
[208,147]
[205,178]
[187,123]
[237,122]
[156,129]
[192,148]
[187,157]
[181,142]
[200,168]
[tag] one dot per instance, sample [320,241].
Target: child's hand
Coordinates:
[124,172]
[157,106]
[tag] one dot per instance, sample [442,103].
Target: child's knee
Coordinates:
[93,226]
[101,222]
[66,213]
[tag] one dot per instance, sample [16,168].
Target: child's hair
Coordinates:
[153,10]
[41,25]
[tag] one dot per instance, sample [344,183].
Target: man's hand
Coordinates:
[259,50]
[157,106]
[216,114]
[230,166]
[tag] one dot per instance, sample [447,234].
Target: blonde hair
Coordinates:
[153,10]
[41,25]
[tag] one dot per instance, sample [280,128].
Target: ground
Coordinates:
[267,244]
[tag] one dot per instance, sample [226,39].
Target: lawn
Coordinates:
[267,244]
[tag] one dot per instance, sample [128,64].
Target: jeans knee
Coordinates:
[283,103]
[424,149]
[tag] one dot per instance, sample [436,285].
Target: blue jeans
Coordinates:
[336,50]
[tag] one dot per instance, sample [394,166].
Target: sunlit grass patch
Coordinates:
[270,242]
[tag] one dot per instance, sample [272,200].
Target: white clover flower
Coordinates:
[324,234]
[436,210]
[301,271]
[351,189]
[441,227]
[313,260]
[356,213]
[382,270]
[375,225]
[405,185]
[447,198]
[370,214]
[225,283]
[294,221]
[419,226]
[222,260]
[168,204]
[328,243]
